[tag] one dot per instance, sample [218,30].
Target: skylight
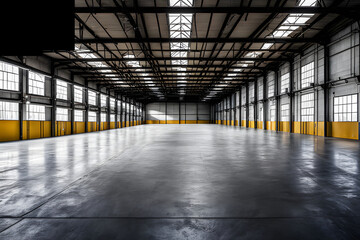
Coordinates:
[253,54]
[82,52]
[307,3]
[180,27]
[267,45]
[181,3]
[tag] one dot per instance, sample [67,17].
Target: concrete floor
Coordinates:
[180,182]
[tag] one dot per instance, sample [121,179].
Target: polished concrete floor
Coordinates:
[180,182]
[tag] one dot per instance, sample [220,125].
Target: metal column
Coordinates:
[247,105]
[277,100]
[265,102]
[326,89]
[86,97]
[255,103]
[291,87]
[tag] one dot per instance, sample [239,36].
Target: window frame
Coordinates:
[303,72]
[57,114]
[40,113]
[351,113]
[102,114]
[9,114]
[304,108]
[78,89]
[90,94]
[287,79]
[75,115]
[63,95]
[287,117]
[102,98]
[15,82]
[90,117]
[30,87]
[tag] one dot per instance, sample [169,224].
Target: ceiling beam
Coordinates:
[203,40]
[257,59]
[198,51]
[173,80]
[235,10]
[183,66]
[88,73]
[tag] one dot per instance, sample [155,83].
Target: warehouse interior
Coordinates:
[186,119]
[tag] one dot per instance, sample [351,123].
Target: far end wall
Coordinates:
[177,113]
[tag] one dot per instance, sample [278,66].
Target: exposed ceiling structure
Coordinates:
[198,50]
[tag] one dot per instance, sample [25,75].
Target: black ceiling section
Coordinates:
[128,46]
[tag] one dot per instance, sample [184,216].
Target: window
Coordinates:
[9,111]
[260,115]
[78,94]
[273,113]
[271,88]
[260,92]
[251,113]
[62,114]
[345,108]
[307,107]
[285,113]
[61,90]
[36,83]
[103,100]
[119,106]
[103,117]
[78,116]
[9,77]
[112,117]
[92,98]
[35,112]
[307,75]
[285,80]
[92,116]
[112,103]
[251,92]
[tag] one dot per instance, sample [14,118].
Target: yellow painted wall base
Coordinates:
[243,123]
[9,130]
[203,122]
[93,127]
[62,128]
[36,129]
[177,122]
[172,122]
[79,127]
[284,126]
[296,127]
[271,125]
[348,130]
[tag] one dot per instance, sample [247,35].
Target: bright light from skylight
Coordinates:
[180,27]
[181,3]
[267,45]
[307,3]
[253,54]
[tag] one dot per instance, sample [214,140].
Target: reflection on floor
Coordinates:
[180,182]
